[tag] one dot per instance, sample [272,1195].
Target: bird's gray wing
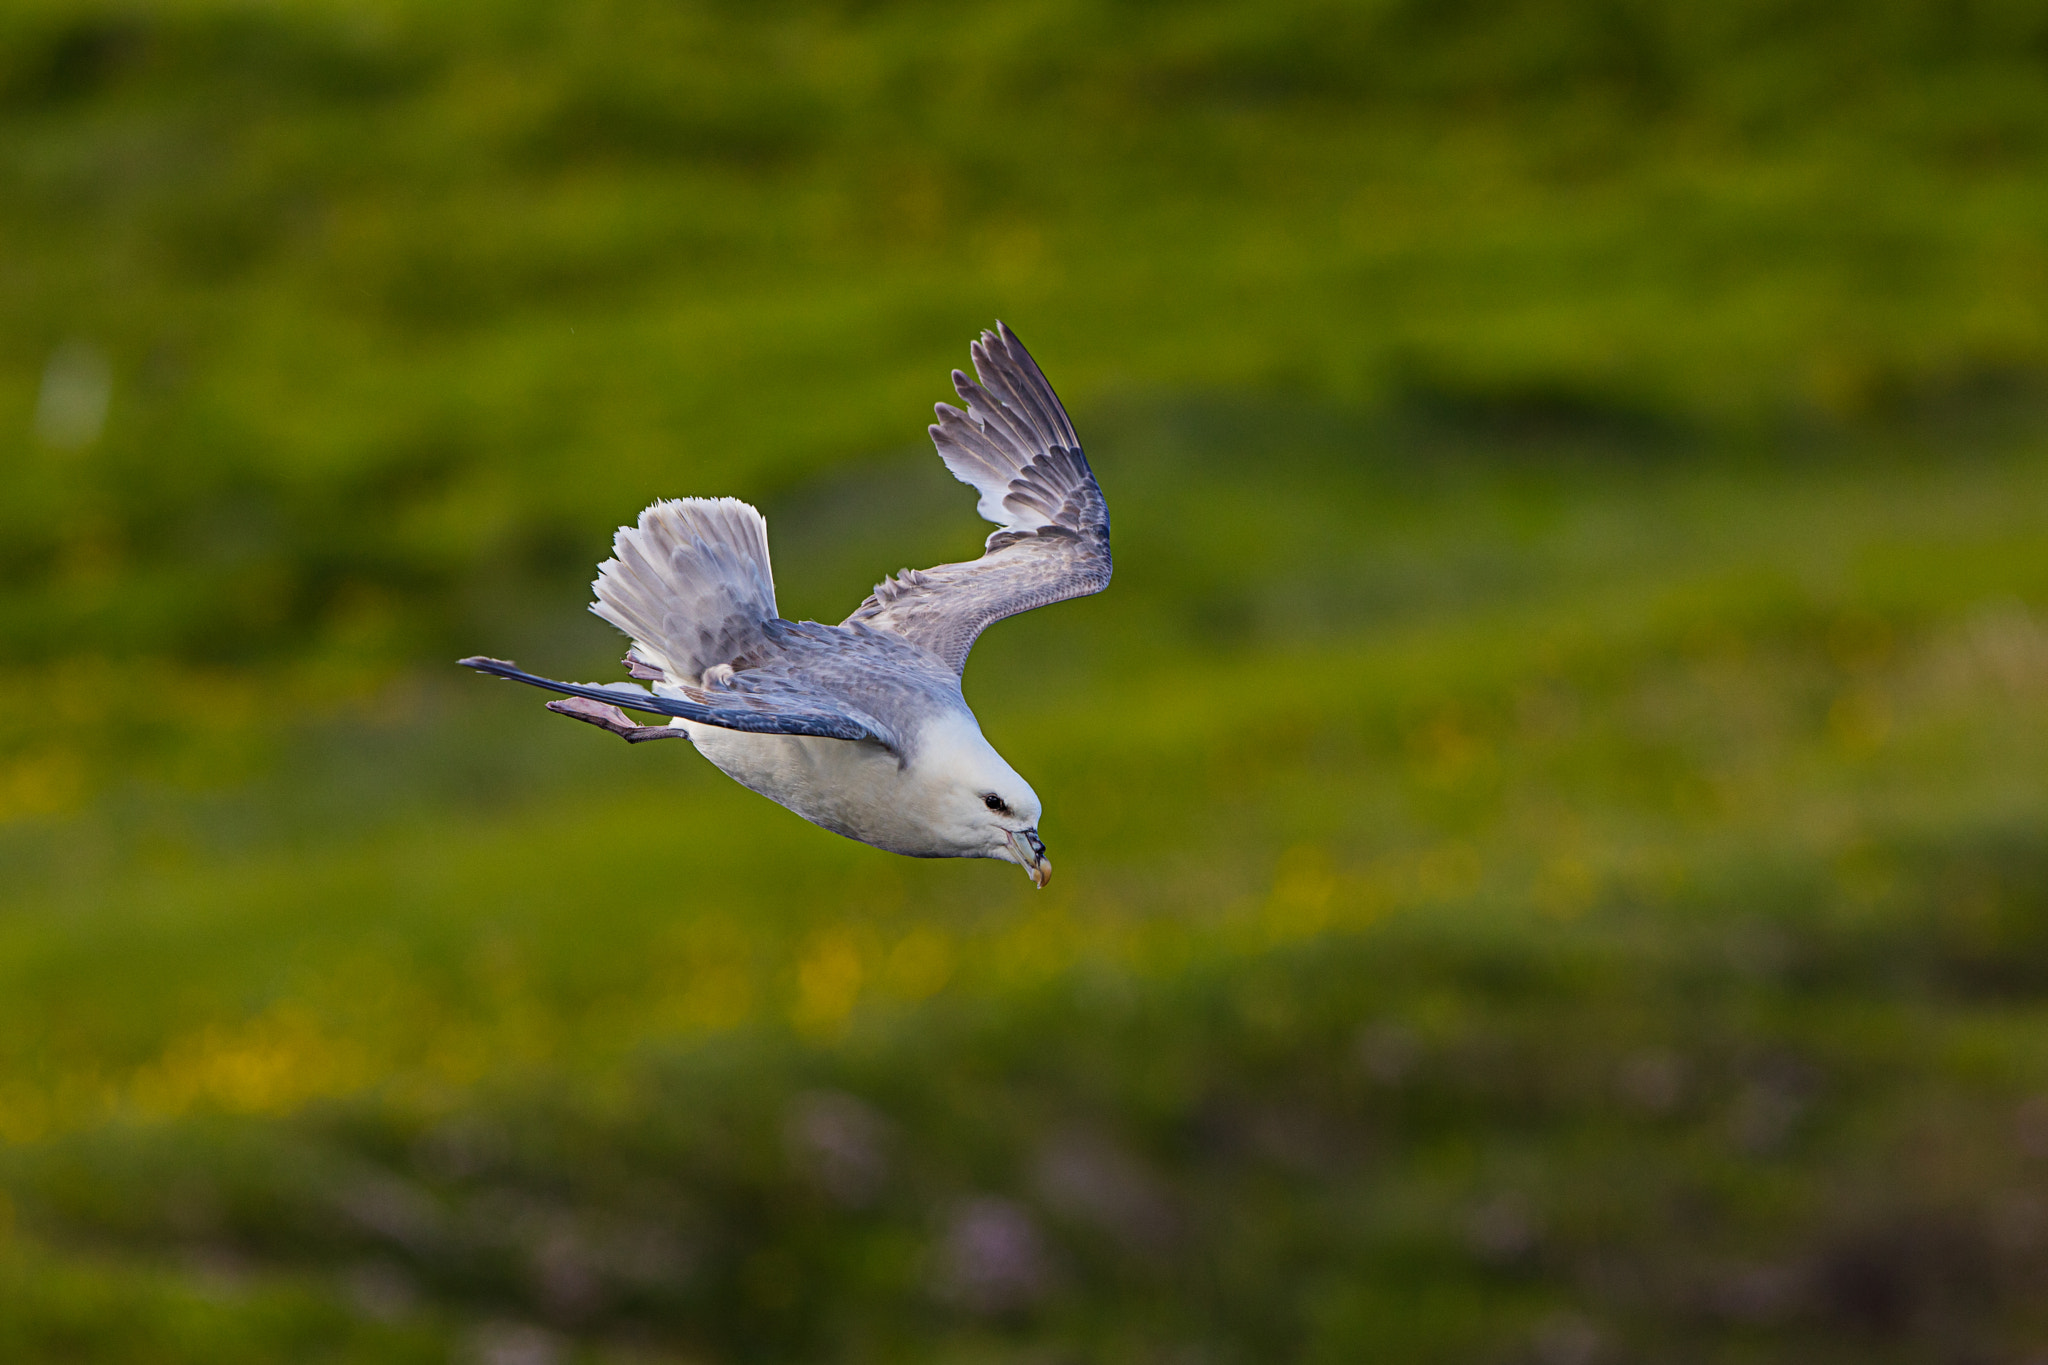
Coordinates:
[691,585]
[771,700]
[1016,446]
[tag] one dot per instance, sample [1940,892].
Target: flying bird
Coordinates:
[860,727]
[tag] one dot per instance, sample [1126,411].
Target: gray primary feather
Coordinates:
[761,712]
[1016,447]
[834,682]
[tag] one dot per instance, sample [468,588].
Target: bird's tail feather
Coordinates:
[691,584]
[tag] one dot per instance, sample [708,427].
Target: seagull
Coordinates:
[860,727]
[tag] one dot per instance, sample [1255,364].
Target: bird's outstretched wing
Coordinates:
[691,585]
[1016,446]
[767,701]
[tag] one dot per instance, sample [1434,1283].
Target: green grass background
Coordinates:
[1549,818]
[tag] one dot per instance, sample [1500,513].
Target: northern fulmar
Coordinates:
[859,727]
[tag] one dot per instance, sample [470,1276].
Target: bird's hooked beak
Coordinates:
[1030,855]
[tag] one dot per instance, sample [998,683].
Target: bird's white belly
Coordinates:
[852,788]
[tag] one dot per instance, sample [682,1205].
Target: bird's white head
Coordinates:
[980,807]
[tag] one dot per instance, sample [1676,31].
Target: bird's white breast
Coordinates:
[857,789]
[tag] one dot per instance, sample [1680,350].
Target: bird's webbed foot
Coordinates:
[642,669]
[608,717]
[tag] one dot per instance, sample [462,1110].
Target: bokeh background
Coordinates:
[1553,862]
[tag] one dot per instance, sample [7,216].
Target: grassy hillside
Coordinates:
[1609,922]
[1549,817]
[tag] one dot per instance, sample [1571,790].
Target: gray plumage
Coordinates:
[1015,446]
[903,763]
[693,583]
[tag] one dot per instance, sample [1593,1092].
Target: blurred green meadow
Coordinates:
[1551,817]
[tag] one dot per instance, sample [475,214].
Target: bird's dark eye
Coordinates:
[994,802]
